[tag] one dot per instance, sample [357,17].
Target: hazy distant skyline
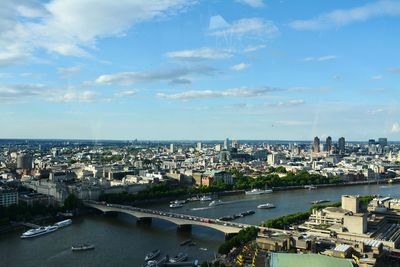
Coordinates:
[200,70]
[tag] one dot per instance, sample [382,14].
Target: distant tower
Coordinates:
[226,143]
[341,145]
[235,144]
[329,144]
[382,142]
[315,146]
[24,161]
[199,146]
[171,148]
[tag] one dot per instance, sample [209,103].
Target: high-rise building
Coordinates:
[342,145]
[382,142]
[199,146]
[171,148]
[226,143]
[24,161]
[235,144]
[315,146]
[329,144]
[371,142]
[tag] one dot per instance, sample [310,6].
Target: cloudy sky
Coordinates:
[187,69]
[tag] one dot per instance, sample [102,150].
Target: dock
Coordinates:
[184,263]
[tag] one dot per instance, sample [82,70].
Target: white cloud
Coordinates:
[86,96]
[127,78]
[375,111]
[395,128]
[321,58]
[290,103]
[395,70]
[16,93]
[248,27]
[240,67]
[235,92]
[200,54]
[377,77]
[342,17]
[252,3]
[68,28]
[69,71]
[253,48]
[125,93]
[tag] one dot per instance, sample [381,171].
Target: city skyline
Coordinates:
[199,70]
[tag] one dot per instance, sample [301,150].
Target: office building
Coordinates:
[24,161]
[341,145]
[171,148]
[199,146]
[315,146]
[382,142]
[329,144]
[8,197]
[226,144]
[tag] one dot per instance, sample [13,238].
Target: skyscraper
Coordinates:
[226,143]
[171,148]
[341,145]
[315,146]
[329,144]
[382,142]
[199,146]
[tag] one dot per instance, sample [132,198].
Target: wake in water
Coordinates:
[201,208]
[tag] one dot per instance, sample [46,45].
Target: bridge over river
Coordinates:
[181,220]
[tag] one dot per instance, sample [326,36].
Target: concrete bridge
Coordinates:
[181,220]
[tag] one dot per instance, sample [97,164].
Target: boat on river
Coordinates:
[266,206]
[320,201]
[152,255]
[216,203]
[63,223]
[179,258]
[39,231]
[205,198]
[258,192]
[175,205]
[82,247]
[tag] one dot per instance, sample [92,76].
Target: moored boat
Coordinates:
[63,223]
[175,205]
[320,201]
[266,206]
[179,258]
[39,231]
[258,192]
[205,198]
[152,255]
[82,247]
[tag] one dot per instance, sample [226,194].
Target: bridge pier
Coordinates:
[184,228]
[229,235]
[144,220]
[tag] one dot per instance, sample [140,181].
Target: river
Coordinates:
[120,241]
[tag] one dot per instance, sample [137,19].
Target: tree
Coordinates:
[72,202]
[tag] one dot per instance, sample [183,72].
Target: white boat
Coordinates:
[266,206]
[178,202]
[320,201]
[82,247]
[258,192]
[175,205]
[39,231]
[216,203]
[205,198]
[179,258]
[63,223]
[310,187]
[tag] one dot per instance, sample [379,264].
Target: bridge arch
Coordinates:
[181,223]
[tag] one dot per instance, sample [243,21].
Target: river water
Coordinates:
[120,241]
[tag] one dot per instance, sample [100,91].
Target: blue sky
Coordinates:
[186,69]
